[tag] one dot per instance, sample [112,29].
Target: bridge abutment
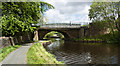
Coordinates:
[35,38]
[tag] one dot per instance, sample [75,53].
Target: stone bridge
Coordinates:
[69,31]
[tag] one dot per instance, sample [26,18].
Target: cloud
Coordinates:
[66,11]
[54,16]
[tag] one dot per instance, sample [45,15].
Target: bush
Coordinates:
[110,38]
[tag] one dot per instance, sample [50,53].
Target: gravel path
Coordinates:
[19,56]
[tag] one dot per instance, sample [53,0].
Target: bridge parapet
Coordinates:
[65,25]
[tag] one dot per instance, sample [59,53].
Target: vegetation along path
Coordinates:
[19,56]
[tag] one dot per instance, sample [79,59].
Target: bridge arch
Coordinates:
[69,33]
[42,33]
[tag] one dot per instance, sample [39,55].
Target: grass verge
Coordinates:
[106,38]
[38,55]
[88,39]
[5,51]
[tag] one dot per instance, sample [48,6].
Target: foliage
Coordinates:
[103,11]
[19,16]
[87,25]
[0,5]
[110,38]
[52,33]
[107,12]
[5,51]
[106,15]
[38,55]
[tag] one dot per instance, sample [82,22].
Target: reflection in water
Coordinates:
[79,53]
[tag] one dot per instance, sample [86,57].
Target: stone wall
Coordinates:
[4,41]
[23,37]
[19,38]
[94,30]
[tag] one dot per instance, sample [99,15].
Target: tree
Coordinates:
[107,13]
[19,16]
[0,18]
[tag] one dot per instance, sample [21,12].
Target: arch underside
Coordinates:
[42,33]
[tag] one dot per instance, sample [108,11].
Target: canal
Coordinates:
[83,53]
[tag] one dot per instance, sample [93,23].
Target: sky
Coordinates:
[67,11]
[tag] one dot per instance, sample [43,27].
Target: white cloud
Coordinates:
[54,16]
[67,11]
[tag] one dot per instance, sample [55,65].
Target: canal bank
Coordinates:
[38,55]
[89,40]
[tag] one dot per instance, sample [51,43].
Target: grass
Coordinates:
[88,39]
[5,51]
[38,55]
[108,38]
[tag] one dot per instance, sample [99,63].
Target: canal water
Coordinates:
[83,53]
